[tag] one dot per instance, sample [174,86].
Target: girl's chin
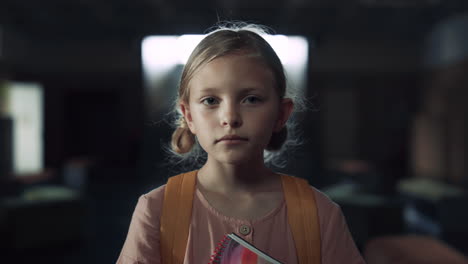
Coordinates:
[238,159]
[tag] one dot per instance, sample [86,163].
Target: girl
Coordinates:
[232,103]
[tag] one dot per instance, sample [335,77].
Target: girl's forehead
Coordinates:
[233,65]
[233,71]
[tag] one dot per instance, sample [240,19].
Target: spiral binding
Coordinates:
[216,257]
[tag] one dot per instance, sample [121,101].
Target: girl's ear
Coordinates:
[185,108]
[286,108]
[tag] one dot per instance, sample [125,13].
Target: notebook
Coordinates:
[234,250]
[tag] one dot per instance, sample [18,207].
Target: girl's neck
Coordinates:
[241,179]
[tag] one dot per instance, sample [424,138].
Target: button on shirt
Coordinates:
[244,230]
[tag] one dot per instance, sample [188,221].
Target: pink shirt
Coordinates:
[270,233]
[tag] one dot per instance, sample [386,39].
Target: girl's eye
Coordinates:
[252,100]
[209,101]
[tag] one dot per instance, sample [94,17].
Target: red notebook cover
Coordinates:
[234,250]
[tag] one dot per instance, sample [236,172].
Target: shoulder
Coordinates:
[337,243]
[142,242]
[329,212]
[153,200]
[155,194]
[326,209]
[149,207]
[325,205]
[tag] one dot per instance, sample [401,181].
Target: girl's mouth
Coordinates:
[231,139]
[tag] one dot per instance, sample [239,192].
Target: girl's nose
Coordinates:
[231,117]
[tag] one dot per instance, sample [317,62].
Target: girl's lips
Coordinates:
[232,141]
[231,138]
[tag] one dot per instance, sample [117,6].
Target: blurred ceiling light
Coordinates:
[185,45]
[163,51]
[156,51]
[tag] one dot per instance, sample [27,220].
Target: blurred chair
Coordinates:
[42,216]
[411,249]
[368,215]
[436,208]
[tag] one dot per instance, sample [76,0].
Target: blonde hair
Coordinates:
[226,40]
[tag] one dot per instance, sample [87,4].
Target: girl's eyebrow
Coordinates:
[207,90]
[243,91]
[252,89]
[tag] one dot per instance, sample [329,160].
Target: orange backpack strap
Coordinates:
[177,212]
[303,218]
[176,217]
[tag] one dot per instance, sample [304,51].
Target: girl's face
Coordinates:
[234,108]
